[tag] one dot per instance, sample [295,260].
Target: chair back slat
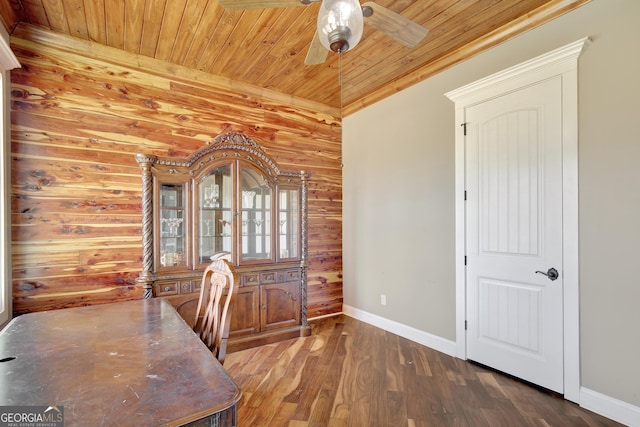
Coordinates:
[213,314]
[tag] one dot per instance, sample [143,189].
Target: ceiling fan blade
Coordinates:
[317,53]
[394,25]
[257,4]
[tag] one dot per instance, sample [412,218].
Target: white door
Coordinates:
[514,233]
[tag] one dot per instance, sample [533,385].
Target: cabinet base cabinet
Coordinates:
[267,308]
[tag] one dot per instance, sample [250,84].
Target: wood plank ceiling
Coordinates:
[267,47]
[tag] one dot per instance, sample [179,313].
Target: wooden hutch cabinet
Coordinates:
[229,199]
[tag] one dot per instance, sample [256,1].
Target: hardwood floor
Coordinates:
[349,373]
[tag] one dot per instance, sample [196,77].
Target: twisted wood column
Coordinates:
[305,250]
[146,276]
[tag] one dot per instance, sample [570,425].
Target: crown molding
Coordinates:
[537,17]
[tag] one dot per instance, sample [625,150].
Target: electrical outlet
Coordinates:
[383,299]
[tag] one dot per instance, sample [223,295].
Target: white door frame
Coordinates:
[560,62]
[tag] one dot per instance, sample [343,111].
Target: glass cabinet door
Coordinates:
[255,207]
[241,216]
[172,240]
[288,223]
[215,215]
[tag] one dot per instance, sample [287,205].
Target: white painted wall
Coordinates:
[398,190]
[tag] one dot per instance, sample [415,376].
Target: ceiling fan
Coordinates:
[340,24]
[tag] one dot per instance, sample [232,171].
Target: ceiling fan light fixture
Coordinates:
[339,39]
[340,24]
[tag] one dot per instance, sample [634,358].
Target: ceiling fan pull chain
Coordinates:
[340,82]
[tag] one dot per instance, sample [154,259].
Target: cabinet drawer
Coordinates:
[165,289]
[290,276]
[268,277]
[250,279]
[184,286]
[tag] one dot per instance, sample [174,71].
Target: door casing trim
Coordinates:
[561,62]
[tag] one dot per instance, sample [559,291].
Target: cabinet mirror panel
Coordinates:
[172,226]
[255,206]
[288,223]
[215,215]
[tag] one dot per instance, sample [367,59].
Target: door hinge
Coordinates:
[465,194]
[465,260]
[464,127]
[465,325]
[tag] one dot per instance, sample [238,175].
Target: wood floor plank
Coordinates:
[351,374]
[283,414]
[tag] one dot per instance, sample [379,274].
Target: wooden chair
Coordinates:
[212,317]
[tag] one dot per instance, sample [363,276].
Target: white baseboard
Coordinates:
[609,407]
[432,341]
[599,403]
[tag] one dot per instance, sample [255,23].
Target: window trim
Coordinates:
[8,61]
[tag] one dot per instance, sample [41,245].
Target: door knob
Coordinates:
[551,273]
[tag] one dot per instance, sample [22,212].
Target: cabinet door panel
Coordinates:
[289,223]
[172,231]
[256,206]
[215,228]
[244,317]
[280,305]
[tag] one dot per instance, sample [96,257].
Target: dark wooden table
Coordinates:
[133,363]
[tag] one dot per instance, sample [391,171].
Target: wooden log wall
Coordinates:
[80,111]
